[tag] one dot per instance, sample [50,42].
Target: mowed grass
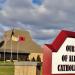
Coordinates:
[6,68]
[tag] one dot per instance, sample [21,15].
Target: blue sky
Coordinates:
[38,2]
[44,19]
[2,2]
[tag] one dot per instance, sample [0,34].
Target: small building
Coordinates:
[18,45]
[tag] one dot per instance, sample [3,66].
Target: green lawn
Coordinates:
[6,68]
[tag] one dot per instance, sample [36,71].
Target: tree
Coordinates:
[33,59]
[38,58]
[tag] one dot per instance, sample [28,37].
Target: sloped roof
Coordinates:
[28,46]
[60,39]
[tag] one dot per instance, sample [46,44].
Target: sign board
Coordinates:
[59,57]
[63,61]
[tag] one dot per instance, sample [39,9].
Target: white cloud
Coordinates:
[44,21]
[40,9]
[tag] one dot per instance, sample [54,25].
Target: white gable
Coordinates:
[58,65]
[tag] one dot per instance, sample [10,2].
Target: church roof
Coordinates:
[26,46]
[60,39]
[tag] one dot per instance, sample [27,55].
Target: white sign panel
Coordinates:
[63,61]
